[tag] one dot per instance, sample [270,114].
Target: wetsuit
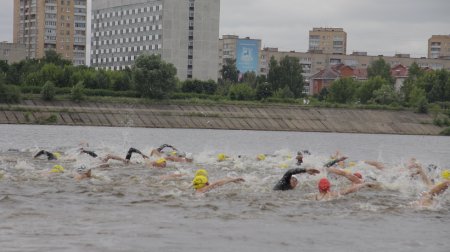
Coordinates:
[285,182]
[131,151]
[90,153]
[164,146]
[50,155]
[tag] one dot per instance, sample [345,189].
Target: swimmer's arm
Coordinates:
[376,164]
[439,188]
[343,173]
[219,183]
[426,180]
[352,189]
[334,161]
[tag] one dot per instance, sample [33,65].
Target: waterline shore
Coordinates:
[232,117]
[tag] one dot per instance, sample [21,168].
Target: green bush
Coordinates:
[241,92]
[48,91]
[9,94]
[77,93]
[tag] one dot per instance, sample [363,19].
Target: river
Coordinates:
[129,208]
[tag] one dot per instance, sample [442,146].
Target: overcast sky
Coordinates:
[377,27]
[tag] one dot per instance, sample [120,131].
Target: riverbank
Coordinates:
[232,117]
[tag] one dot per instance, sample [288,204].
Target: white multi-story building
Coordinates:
[185,33]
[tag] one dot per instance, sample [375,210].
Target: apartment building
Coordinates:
[439,47]
[59,25]
[328,41]
[12,53]
[245,51]
[184,33]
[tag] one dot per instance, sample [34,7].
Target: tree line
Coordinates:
[151,77]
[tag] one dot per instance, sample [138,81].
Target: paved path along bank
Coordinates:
[235,117]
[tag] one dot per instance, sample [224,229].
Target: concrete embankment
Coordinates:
[236,117]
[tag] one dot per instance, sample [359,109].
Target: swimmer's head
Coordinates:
[221,157]
[324,185]
[357,174]
[57,169]
[445,174]
[261,157]
[201,172]
[293,182]
[57,155]
[199,182]
[161,161]
[82,169]
[351,164]
[173,153]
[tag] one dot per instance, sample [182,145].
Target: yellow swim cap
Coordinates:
[57,155]
[201,172]
[351,164]
[445,174]
[221,157]
[160,161]
[199,181]
[261,157]
[57,169]
[173,153]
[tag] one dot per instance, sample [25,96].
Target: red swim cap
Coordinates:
[324,185]
[357,174]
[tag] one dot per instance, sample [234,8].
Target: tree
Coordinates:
[292,75]
[229,71]
[263,91]
[385,95]
[48,91]
[51,56]
[154,78]
[120,80]
[366,89]
[418,99]
[342,90]
[241,91]
[380,68]
[287,73]
[274,75]
[250,78]
[77,92]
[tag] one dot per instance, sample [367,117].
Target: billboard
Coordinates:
[247,57]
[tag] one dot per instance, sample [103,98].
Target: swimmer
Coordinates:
[287,182]
[127,157]
[82,173]
[417,169]
[50,155]
[376,164]
[427,198]
[90,153]
[325,192]
[201,184]
[159,151]
[355,178]
[335,161]
[160,163]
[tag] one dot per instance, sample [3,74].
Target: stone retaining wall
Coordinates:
[236,117]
